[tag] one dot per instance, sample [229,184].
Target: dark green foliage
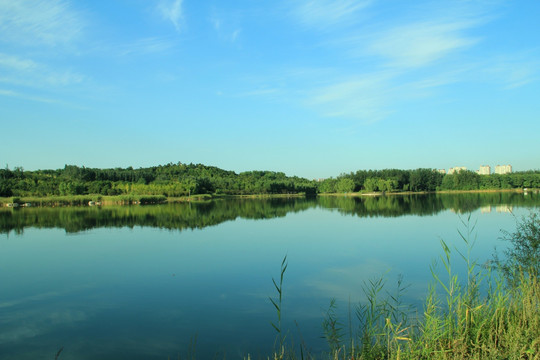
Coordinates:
[328,186]
[389,180]
[425,180]
[523,254]
[177,180]
[462,180]
[172,180]
[5,189]
[332,328]
[345,185]
[430,180]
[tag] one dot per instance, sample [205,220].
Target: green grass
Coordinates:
[192,198]
[83,200]
[483,316]
[505,324]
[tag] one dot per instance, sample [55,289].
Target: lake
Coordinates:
[160,281]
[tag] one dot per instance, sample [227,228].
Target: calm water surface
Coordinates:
[161,281]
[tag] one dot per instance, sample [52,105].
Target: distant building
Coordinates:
[503,169]
[484,170]
[456,169]
[442,171]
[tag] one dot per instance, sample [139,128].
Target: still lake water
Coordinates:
[152,282]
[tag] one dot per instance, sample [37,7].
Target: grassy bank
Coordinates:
[379,193]
[492,313]
[83,200]
[454,324]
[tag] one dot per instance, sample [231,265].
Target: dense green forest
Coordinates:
[420,180]
[172,180]
[176,180]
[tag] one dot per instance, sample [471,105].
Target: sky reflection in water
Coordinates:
[146,292]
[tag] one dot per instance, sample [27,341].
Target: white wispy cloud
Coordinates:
[35,22]
[234,35]
[226,25]
[229,35]
[391,61]
[143,46]
[258,92]
[172,11]
[324,13]
[365,98]
[63,78]
[15,94]
[27,72]
[373,96]
[38,27]
[16,63]
[513,71]
[421,43]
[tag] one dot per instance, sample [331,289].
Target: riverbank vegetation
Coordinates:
[185,180]
[80,200]
[491,313]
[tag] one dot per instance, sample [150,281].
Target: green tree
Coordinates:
[328,185]
[345,185]
[371,184]
[524,253]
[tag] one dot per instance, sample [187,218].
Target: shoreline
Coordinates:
[359,194]
[103,200]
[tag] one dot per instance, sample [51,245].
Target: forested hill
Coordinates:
[175,180]
[169,180]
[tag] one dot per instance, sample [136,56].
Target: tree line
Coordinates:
[171,180]
[426,180]
[176,180]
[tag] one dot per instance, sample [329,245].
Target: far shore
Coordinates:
[102,200]
[378,193]
[105,200]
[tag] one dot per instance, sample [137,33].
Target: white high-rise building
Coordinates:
[456,169]
[503,169]
[484,170]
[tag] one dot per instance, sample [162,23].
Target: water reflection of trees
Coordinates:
[468,202]
[386,206]
[426,204]
[199,215]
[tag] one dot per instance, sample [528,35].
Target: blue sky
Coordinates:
[312,88]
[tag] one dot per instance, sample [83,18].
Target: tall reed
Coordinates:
[280,337]
[461,322]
